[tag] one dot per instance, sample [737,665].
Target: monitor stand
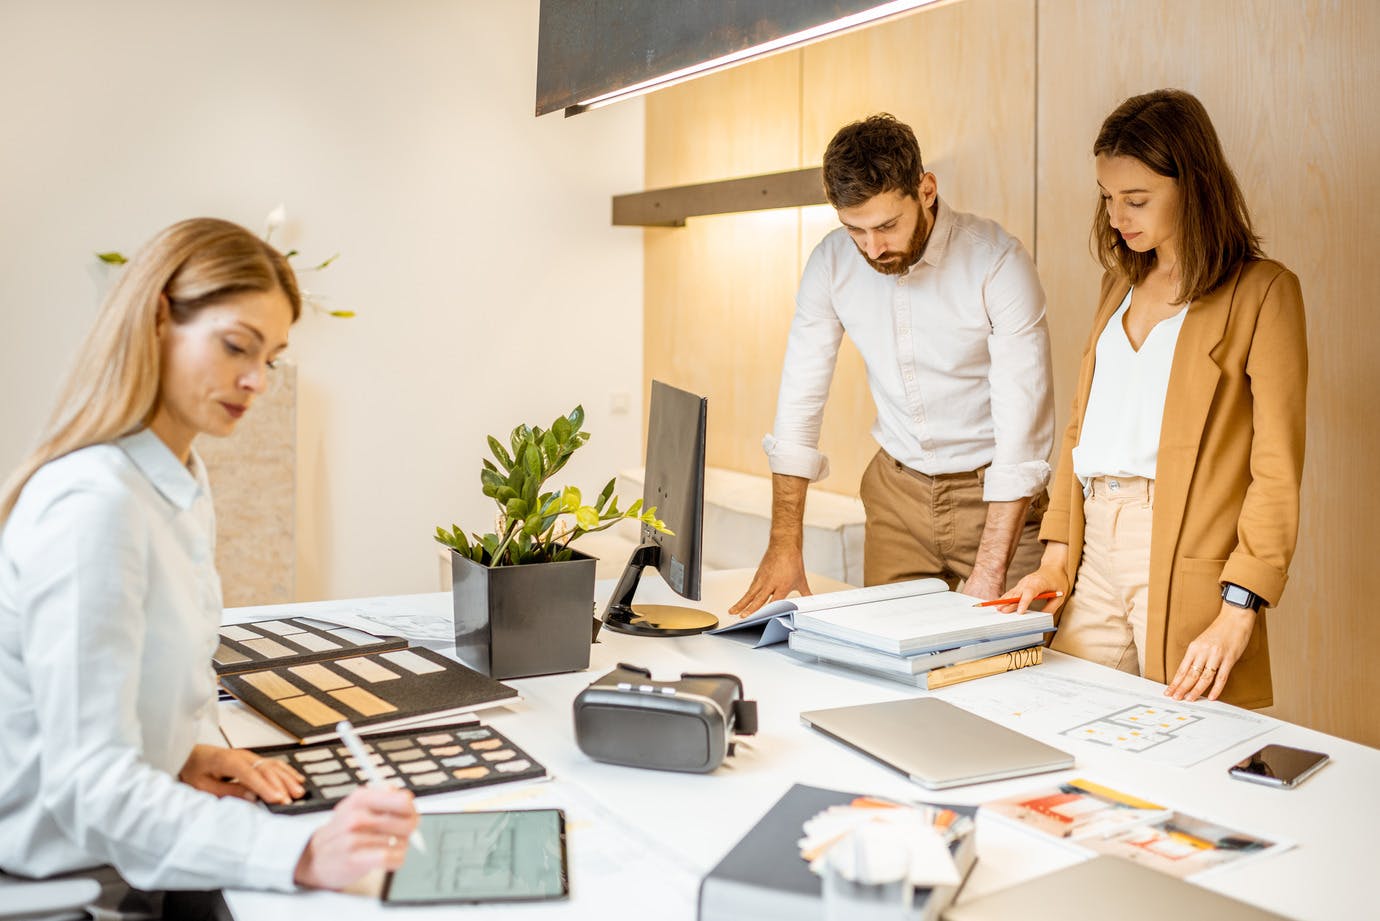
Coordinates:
[623,616]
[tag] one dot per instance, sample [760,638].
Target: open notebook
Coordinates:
[903,618]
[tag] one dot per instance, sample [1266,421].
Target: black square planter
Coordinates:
[519,621]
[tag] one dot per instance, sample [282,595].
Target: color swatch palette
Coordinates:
[436,759]
[384,690]
[292,641]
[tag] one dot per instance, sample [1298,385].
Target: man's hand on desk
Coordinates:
[369,829]
[780,573]
[242,773]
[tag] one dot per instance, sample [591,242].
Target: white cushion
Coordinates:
[737,524]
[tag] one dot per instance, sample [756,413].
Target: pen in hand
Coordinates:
[1043,596]
[371,772]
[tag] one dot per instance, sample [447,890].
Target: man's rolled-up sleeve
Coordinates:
[1021,379]
[811,354]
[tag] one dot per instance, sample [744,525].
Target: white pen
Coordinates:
[366,764]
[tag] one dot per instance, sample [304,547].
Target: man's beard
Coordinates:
[899,266]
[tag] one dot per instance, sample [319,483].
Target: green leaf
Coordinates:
[562,429]
[531,461]
[563,556]
[515,508]
[605,495]
[586,517]
[112,258]
[319,267]
[492,481]
[577,418]
[570,499]
[500,453]
[635,509]
[550,448]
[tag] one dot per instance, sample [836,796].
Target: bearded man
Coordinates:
[948,313]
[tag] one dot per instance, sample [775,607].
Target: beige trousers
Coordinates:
[1104,619]
[921,526]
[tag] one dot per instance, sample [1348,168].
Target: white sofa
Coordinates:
[737,523]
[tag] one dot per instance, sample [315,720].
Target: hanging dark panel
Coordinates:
[587,48]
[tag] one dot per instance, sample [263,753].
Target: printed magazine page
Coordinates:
[1098,819]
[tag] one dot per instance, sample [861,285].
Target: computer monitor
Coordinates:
[675,486]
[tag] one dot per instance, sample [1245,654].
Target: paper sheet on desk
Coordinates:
[612,864]
[393,617]
[1172,732]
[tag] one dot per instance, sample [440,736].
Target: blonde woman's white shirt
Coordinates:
[109,611]
[957,356]
[1121,429]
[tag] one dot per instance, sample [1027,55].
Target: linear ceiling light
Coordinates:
[784,43]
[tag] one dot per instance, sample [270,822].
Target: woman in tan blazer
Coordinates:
[1175,505]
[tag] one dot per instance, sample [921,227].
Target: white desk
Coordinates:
[697,818]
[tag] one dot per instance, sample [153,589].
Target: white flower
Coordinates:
[276,218]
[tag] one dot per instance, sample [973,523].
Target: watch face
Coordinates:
[1234,594]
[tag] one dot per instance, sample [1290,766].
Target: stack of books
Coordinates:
[917,632]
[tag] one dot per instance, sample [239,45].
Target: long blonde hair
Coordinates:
[113,387]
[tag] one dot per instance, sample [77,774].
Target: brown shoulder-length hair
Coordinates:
[1170,132]
[866,158]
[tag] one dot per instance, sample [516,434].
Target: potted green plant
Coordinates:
[523,596]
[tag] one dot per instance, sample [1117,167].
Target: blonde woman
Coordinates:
[1175,506]
[110,602]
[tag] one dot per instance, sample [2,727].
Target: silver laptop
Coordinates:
[1106,887]
[936,744]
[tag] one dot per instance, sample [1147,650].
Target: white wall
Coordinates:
[474,238]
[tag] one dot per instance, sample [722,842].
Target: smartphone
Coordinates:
[510,856]
[1278,766]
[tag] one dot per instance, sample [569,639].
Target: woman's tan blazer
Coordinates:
[1227,476]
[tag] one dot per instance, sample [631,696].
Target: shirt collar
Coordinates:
[939,235]
[155,460]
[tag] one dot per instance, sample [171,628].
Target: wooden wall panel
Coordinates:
[1290,88]
[718,288]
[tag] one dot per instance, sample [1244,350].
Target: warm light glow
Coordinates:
[784,43]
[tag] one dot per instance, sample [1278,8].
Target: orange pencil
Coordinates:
[1043,596]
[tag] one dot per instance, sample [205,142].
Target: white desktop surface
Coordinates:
[697,818]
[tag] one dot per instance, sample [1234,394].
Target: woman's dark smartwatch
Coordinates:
[1239,597]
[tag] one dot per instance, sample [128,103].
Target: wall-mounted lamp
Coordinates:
[592,53]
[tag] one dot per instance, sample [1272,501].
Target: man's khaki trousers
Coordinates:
[921,526]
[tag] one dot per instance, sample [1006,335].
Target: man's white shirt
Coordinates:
[957,356]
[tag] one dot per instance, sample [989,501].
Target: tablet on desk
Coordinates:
[512,856]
